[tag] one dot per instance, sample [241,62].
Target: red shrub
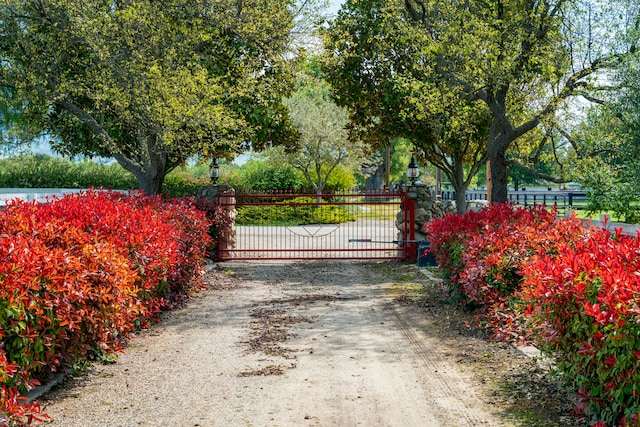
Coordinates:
[78,274]
[165,240]
[16,411]
[62,292]
[219,220]
[585,304]
[191,232]
[572,288]
[481,254]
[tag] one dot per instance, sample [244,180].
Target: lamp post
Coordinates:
[413,171]
[214,171]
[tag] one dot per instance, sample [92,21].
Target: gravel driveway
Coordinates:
[283,344]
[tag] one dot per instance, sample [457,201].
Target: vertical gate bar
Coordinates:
[374,223]
[405,223]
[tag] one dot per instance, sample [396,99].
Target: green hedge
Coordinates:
[283,213]
[43,171]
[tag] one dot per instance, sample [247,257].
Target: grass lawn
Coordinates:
[385,212]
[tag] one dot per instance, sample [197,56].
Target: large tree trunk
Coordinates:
[375,181]
[499,140]
[499,176]
[461,200]
[150,185]
[459,185]
[150,176]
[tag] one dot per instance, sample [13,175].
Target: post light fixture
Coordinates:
[214,171]
[413,171]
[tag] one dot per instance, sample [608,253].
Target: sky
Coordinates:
[334,6]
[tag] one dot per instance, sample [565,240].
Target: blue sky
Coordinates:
[334,6]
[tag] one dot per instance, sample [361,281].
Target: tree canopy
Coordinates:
[379,67]
[522,60]
[323,140]
[150,82]
[606,155]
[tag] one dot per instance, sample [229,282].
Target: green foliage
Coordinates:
[323,141]
[267,175]
[449,74]
[403,95]
[17,133]
[42,171]
[608,155]
[341,179]
[147,82]
[400,158]
[182,183]
[298,211]
[257,175]
[607,193]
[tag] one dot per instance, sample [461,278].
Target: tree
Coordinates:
[150,82]
[539,157]
[16,133]
[373,171]
[458,146]
[323,143]
[523,59]
[258,175]
[607,149]
[376,62]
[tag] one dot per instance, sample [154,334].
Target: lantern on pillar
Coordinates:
[413,171]
[214,171]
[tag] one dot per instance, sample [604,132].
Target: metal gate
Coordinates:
[296,226]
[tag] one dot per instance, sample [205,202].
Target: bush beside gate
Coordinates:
[574,290]
[80,273]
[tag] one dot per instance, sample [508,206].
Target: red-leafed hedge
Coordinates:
[573,289]
[481,254]
[78,274]
[585,304]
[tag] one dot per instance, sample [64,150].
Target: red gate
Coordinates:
[296,226]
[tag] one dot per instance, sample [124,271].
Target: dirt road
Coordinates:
[299,344]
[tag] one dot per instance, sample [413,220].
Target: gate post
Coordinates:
[418,208]
[406,224]
[411,246]
[221,196]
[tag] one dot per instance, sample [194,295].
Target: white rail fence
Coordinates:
[36,194]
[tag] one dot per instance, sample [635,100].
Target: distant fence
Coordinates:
[564,201]
[36,194]
[561,199]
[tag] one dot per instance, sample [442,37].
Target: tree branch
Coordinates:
[537,173]
[569,88]
[593,99]
[93,124]
[535,158]
[413,13]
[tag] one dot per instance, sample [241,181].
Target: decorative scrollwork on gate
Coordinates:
[313,230]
